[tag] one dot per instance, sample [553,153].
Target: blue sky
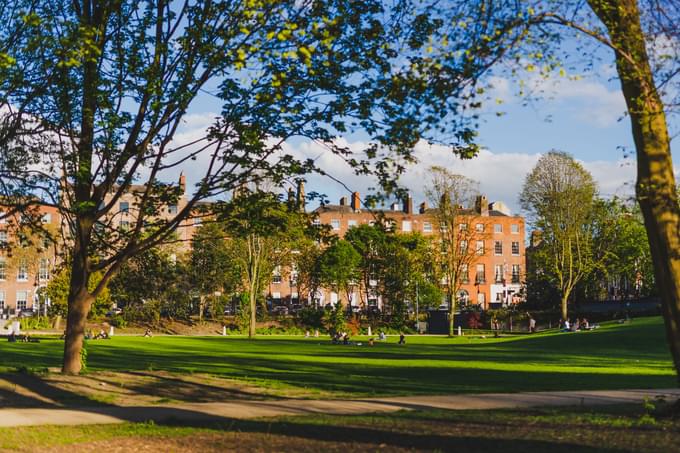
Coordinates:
[583,116]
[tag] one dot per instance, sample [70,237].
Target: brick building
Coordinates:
[495,272]
[27,260]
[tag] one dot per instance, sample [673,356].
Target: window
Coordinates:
[46,243]
[22,300]
[3,217]
[22,271]
[480,277]
[172,209]
[498,247]
[462,227]
[46,218]
[406,225]
[515,248]
[335,224]
[481,299]
[124,207]
[427,227]
[479,228]
[464,274]
[44,269]
[498,273]
[514,228]
[515,273]
[497,228]
[124,225]
[480,248]
[3,270]
[2,300]
[3,237]
[276,275]
[316,222]
[351,223]
[463,247]
[442,227]
[276,297]
[198,221]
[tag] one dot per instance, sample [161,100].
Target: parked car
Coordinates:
[280,310]
[26,313]
[114,312]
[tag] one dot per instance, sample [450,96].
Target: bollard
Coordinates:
[460,331]
[224,331]
[110,331]
[369,331]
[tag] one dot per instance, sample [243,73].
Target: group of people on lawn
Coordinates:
[577,325]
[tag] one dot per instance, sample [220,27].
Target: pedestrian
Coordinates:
[532,324]
[402,338]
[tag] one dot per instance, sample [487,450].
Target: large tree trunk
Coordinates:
[79,303]
[563,306]
[655,189]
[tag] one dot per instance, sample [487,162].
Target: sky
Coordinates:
[584,117]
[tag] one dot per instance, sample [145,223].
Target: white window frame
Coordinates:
[406,226]
[497,227]
[427,227]
[514,228]
[22,271]
[479,247]
[23,298]
[335,224]
[479,228]
[513,248]
[496,245]
[351,223]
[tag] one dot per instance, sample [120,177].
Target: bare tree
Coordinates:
[451,195]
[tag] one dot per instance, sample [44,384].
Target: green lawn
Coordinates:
[613,357]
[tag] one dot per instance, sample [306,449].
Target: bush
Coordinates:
[118,321]
[35,323]
[311,317]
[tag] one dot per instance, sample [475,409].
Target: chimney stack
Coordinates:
[343,201]
[356,201]
[482,205]
[182,184]
[423,207]
[408,205]
[301,202]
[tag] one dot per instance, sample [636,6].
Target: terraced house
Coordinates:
[492,278]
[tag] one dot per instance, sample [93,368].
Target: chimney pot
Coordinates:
[343,201]
[423,207]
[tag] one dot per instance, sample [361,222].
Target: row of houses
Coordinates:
[494,276]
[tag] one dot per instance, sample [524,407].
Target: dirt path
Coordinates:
[245,409]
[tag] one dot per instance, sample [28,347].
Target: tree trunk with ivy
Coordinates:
[656,186]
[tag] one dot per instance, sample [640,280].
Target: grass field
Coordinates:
[615,356]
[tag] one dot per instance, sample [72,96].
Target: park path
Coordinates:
[240,409]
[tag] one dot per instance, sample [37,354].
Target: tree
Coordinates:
[210,266]
[154,275]
[370,242]
[408,275]
[58,287]
[262,233]
[339,267]
[449,193]
[558,196]
[94,92]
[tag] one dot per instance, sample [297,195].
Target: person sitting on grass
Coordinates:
[382,336]
[402,338]
[345,338]
[147,333]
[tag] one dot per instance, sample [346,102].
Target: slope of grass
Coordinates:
[613,357]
